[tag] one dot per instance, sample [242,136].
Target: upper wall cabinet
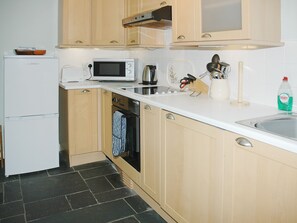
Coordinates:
[75,22]
[153,4]
[141,36]
[91,23]
[107,26]
[253,23]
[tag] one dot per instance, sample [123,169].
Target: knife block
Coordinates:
[199,86]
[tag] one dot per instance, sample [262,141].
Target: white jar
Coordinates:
[219,89]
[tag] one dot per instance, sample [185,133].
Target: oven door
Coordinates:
[132,138]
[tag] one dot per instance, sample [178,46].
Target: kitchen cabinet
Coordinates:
[191,169]
[75,22]
[141,36]
[260,182]
[107,26]
[79,125]
[237,22]
[106,123]
[153,4]
[151,150]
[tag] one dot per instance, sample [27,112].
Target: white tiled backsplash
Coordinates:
[263,69]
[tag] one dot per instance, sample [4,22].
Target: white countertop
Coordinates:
[213,112]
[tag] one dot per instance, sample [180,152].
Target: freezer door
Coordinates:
[31,144]
[30,86]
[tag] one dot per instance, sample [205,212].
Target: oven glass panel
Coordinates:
[109,69]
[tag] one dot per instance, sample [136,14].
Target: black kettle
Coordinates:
[149,75]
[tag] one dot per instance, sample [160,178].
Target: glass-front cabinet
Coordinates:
[224,20]
[228,22]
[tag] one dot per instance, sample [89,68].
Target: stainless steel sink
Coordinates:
[284,124]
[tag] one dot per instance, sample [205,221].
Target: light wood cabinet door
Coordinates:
[75,22]
[141,36]
[107,26]
[153,4]
[260,182]
[185,20]
[83,121]
[191,169]
[78,125]
[236,22]
[151,150]
[106,123]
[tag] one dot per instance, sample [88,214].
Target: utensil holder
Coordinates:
[219,89]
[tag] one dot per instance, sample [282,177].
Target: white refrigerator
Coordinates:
[30,114]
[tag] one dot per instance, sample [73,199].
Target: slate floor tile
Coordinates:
[131,219]
[42,188]
[14,219]
[99,171]
[150,217]
[99,185]
[81,199]
[138,204]
[114,194]
[3,178]
[12,191]
[30,176]
[43,208]
[92,165]
[100,213]
[1,193]
[60,170]
[11,209]
[115,180]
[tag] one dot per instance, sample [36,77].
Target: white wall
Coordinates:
[26,23]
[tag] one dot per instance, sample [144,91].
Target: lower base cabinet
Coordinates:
[191,170]
[260,182]
[151,150]
[78,125]
[106,122]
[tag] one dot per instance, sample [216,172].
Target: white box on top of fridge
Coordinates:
[30,114]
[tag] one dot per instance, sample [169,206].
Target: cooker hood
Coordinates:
[159,18]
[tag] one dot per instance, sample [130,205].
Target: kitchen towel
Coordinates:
[119,129]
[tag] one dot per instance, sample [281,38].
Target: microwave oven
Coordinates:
[110,69]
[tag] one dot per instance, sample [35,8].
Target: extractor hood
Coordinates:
[159,19]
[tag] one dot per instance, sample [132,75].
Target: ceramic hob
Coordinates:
[151,90]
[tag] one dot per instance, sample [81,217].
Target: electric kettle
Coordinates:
[149,75]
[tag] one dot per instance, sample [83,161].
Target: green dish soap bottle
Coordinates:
[285,96]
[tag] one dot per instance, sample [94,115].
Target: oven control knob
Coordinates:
[163,92]
[169,92]
[175,92]
[157,92]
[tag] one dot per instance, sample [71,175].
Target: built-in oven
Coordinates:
[130,109]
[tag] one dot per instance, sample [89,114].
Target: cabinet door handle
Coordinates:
[181,37]
[132,41]
[163,3]
[78,42]
[206,35]
[170,116]
[244,142]
[147,107]
[85,91]
[113,41]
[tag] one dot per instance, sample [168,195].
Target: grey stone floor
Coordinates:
[90,193]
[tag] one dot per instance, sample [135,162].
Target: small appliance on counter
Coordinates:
[113,69]
[72,74]
[149,75]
